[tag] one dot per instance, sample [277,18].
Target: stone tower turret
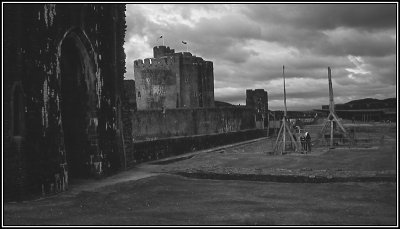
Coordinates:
[160,51]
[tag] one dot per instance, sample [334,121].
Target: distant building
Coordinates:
[173,80]
[258,99]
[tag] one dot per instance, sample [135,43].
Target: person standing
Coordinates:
[303,142]
[308,142]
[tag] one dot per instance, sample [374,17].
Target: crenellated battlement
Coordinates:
[156,62]
[161,51]
[187,58]
[165,56]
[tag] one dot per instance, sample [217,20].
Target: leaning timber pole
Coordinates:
[332,117]
[285,111]
[331,105]
[284,127]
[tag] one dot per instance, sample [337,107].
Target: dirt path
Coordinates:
[141,171]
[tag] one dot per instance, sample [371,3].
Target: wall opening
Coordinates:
[75,107]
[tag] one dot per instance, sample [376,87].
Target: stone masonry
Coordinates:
[173,80]
[63,75]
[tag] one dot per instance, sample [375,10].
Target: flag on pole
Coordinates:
[162,39]
[184,42]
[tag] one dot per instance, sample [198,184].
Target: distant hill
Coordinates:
[363,101]
[222,104]
[376,103]
[370,100]
[367,103]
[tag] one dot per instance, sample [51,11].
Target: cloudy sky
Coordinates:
[249,44]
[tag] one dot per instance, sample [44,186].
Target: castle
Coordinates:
[68,114]
[173,80]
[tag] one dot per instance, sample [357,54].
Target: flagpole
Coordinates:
[163,40]
[284,89]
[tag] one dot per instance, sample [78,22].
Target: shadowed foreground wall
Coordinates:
[63,75]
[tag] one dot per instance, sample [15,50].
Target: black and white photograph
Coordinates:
[199,114]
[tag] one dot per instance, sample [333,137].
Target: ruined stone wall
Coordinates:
[36,41]
[154,124]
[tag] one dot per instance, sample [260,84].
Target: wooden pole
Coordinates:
[284,90]
[331,141]
[277,139]
[284,134]
[285,111]
[275,124]
[331,103]
[332,117]
[285,128]
[268,123]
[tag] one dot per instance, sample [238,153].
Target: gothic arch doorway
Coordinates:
[78,103]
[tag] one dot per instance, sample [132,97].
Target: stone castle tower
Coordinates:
[173,80]
[258,100]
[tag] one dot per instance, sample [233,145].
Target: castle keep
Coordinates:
[173,80]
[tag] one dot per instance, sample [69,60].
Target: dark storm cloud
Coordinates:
[384,69]
[358,29]
[325,16]
[222,38]
[357,43]
[213,38]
